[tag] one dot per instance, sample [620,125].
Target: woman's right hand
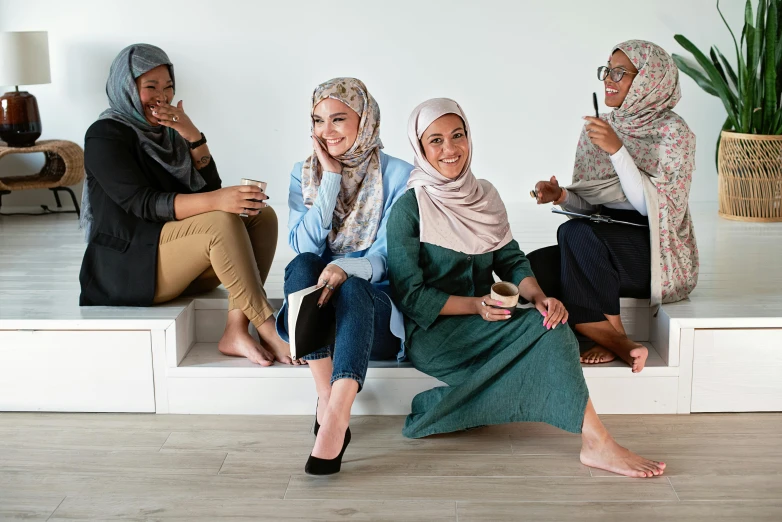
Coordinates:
[490,313]
[548,191]
[239,200]
[328,163]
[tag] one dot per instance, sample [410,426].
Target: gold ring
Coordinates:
[175,119]
[330,287]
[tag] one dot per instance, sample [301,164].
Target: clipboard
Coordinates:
[597,218]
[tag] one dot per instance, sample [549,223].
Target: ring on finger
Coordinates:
[175,119]
[330,287]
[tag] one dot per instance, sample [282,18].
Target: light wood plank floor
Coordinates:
[170,467]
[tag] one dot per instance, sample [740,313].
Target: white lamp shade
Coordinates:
[24,58]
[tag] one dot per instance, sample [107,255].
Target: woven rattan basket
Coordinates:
[750,180]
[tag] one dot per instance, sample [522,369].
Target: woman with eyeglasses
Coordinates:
[633,164]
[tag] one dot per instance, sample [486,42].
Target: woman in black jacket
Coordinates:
[157,221]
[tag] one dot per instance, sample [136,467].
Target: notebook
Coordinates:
[309,327]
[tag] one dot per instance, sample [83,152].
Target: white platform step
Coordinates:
[718,351]
[207,381]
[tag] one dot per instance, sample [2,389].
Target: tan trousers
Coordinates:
[198,253]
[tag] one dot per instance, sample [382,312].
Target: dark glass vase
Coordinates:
[20,121]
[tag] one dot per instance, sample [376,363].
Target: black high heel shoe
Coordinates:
[316,466]
[316,426]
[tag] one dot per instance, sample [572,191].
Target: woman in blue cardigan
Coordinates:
[339,203]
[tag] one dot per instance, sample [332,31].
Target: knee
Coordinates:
[224,223]
[356,292]
[305,262]
[267,218]
[568,232]
[563,338]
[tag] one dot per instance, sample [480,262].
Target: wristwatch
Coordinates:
[196,144]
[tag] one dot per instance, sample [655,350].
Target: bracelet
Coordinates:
[195,144]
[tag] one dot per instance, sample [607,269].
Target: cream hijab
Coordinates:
[463,214]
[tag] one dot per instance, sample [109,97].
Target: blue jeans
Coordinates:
[363,320]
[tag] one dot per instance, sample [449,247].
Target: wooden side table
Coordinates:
[64,167]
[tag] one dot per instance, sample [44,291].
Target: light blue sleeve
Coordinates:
[360,267]
[377,254]
[308,228]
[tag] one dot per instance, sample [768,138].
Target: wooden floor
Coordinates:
[171,467]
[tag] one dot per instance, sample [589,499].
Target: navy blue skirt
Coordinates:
[594,264]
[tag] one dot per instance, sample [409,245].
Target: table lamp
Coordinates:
[24,60]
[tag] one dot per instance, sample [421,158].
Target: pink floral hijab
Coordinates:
[663,148]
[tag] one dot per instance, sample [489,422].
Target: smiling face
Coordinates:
[616,92]
[336,125]
[155,86]
[446,146]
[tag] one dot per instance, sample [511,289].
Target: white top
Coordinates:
[632,185]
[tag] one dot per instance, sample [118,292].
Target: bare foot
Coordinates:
[272,343]
[239,343]
[636,357]
[281,352]
[610,456]
[639,356]
[597,354]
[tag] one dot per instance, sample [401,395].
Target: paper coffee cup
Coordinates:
[506,293]
[260,184]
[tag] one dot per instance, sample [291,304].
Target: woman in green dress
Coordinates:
[445,238]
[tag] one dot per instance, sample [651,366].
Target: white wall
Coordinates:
[524,71]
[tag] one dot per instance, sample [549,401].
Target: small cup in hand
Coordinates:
[260,184]
[505,293]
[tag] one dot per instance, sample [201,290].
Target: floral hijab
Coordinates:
[360,202]
[663,148]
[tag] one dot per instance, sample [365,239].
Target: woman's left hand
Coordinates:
[602,134]
[552,310]
[176,118]
[330,279]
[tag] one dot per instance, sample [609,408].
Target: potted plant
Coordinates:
[749,150]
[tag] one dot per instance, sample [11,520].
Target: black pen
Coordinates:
[594,102]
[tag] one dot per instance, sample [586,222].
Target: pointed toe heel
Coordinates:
[316,466]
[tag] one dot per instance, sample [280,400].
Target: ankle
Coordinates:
[323,398]
[337,416]
[592,440]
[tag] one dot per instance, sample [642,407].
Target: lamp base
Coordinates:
[20,121]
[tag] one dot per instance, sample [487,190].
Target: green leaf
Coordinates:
[728,69]
[727,97]
[716,62]
[699,77]
[770,96]
[752,57]
[735,44]
[739,59]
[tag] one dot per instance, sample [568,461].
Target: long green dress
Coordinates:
[496,372]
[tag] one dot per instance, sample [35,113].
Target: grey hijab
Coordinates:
[164,145]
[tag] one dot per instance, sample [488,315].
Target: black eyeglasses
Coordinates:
[617,73]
